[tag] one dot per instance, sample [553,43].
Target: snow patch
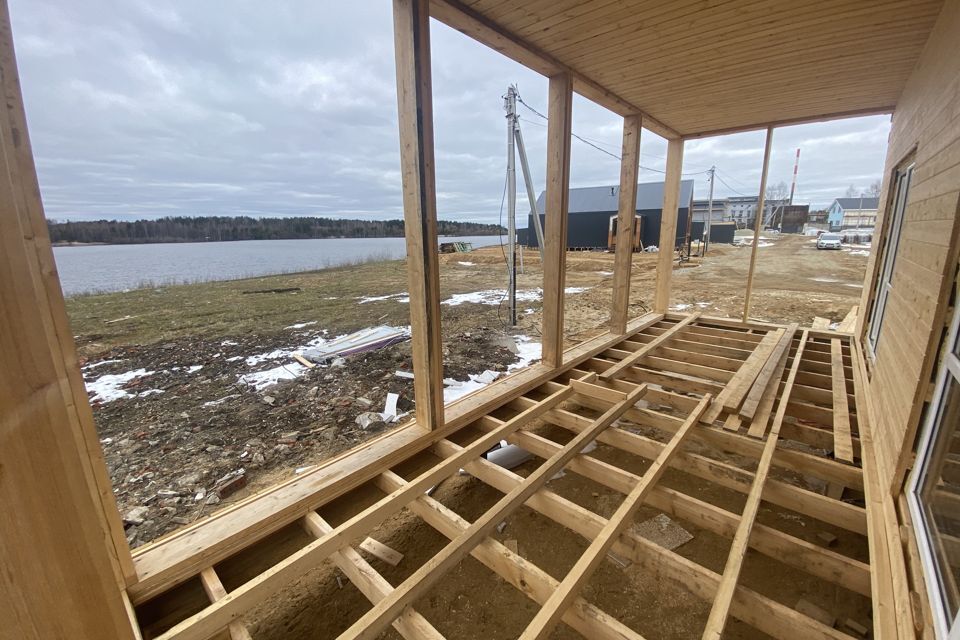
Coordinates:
[403,298]
[263,379]
[860,252]
[98,364]
[301,325]
[467,264]
[491,297]
[528,352]
[574,290]
[108,388]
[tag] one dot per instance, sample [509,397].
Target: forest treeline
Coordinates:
[223,228]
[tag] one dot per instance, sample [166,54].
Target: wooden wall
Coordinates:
[926,123]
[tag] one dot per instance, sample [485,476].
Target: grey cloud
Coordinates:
[140,108]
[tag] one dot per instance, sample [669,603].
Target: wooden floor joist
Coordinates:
[584,402]
[843,444]
[617,370]
[731,572]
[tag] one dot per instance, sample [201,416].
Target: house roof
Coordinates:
[593,199]
[858,203]
[760,63]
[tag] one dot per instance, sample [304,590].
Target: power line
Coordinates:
[731,188]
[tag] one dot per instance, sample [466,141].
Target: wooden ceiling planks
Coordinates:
[814,59]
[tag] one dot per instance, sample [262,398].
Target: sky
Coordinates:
[140,109]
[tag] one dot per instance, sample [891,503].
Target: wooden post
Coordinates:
[758,223]
[626,222]
[555,214]
[64,557]
[411,20]
[668,224]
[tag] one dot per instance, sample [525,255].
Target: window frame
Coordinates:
[902,179]
[949,369]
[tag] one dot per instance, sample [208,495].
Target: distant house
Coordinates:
[853,213]
[591,210]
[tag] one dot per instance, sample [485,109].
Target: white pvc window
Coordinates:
[934,495]
[885,276]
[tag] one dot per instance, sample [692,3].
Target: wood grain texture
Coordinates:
[415,109]
[668,225]
[626,223]
[560,112]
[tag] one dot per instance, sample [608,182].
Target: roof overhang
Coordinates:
[699,67]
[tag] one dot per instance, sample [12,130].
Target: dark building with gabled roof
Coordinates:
[592,207]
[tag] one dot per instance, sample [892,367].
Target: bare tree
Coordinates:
[852,192]
[874,189]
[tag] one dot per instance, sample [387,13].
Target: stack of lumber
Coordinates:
[749,396]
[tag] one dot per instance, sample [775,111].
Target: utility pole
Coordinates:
[510,105]
[706,245]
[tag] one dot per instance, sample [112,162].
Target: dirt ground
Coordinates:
[174,456]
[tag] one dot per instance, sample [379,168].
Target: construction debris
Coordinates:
[381,551]
[663,531]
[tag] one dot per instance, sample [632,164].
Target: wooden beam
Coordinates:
[795,552]
[531,580]
[218,615]
[738,549]
[668,224]
[372,623]
[410,624]
[457,15]
[626,223]
[758,224]
[549,615]
[62,548]
[560,112]
[617,370]
[215,591]
[183,553]
[842,440]
[826,117]
[764,614]
[411,24]
[766,380]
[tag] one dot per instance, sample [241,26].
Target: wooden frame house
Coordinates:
[878,400]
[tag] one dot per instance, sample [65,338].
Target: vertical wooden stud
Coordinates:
[415,103]
[626,223]
[555,213]
[65,560]
[758,223]
[668,224]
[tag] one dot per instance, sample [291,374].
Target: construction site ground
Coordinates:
[178,431]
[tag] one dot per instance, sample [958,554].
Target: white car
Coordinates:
[829,241]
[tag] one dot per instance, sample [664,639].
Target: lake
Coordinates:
[129,266]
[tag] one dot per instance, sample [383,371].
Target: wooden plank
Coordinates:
[549,615]
[795,552]
[560,112]
[617,370]
[218,615]
[626,222]
[842,440]
[762,613]
[62,548]
[410,624]
[185,552]
[411,31]
[532,581]
[820,323]
[668,224]
[758,426]
[455,14]
[767,378]
[758,225]
[738,549]
[733,393]
[215,591]
[381,551]
[849,322]
[372,623]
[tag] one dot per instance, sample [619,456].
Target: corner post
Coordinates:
[758,222]
[411,21]
[668,224]
[626,223]
[555,215]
